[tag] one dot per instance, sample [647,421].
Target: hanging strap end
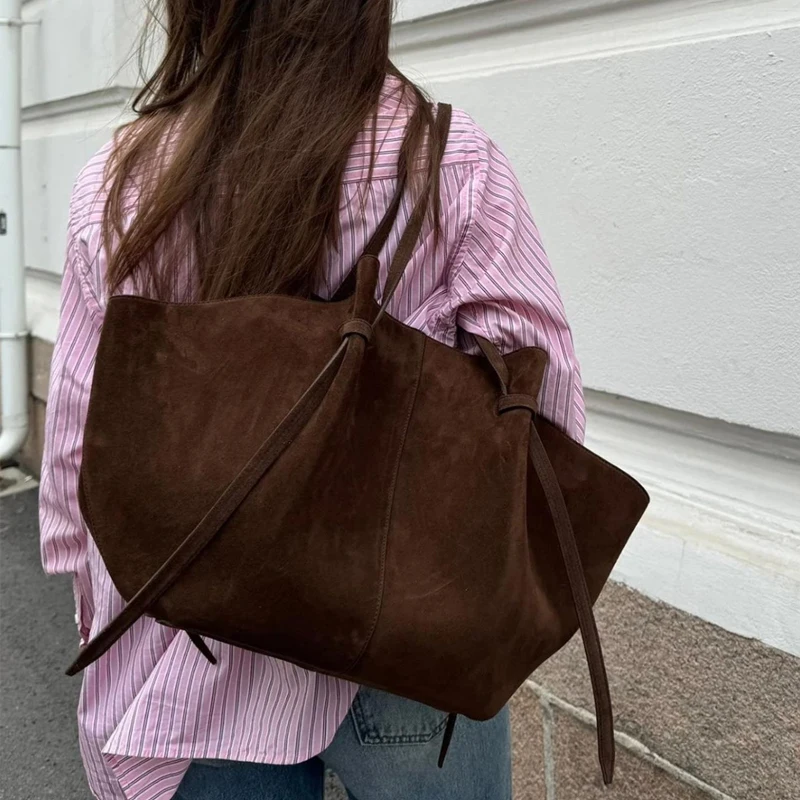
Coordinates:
[447,738]
[607,755]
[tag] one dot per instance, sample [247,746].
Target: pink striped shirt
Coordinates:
[153,702]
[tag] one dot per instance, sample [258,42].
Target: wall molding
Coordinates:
[418,11]
[77,104]
[500,35]
[78,113]
[721,539]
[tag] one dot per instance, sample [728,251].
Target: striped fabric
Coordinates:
[153,703]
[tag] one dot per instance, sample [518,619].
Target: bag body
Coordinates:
[321,483]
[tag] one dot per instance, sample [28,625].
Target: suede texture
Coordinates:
[402,539]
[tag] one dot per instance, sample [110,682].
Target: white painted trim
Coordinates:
[500,36]
[411,10]
[721,539]
[77,104]
[415,11]
[105,108]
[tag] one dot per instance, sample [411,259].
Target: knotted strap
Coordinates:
[572,562]
[408,241]
[583,603]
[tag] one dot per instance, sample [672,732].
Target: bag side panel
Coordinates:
[457,544]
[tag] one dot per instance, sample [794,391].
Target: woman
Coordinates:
[269,143]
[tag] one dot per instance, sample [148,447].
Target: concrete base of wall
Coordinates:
[40,356]
[699,712]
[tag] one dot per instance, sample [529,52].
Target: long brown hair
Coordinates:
[242,135]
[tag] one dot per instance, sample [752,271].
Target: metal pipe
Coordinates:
[13,327]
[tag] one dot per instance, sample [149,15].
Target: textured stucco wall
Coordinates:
[658,146]
[657,143]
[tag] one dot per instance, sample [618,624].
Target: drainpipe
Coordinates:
[13,332]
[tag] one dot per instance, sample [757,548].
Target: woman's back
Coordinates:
[154,697]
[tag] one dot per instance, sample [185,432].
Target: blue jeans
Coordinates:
[385,749]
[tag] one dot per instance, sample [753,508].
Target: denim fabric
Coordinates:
[385,749]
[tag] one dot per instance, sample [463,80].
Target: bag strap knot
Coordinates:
[509,402]
[356,327]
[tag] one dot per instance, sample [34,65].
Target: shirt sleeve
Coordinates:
[503,287]
[63,533]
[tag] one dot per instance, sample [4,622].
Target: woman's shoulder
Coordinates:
[468,142]
[89,190]
[469,146]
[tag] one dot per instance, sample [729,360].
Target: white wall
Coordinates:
[659,144]
[659,147]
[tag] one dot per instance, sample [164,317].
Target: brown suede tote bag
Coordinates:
[319,482]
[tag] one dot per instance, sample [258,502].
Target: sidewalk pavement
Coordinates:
[38,729]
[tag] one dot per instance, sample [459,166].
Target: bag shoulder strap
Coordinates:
[381,235]
[405,249]
[411,234]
